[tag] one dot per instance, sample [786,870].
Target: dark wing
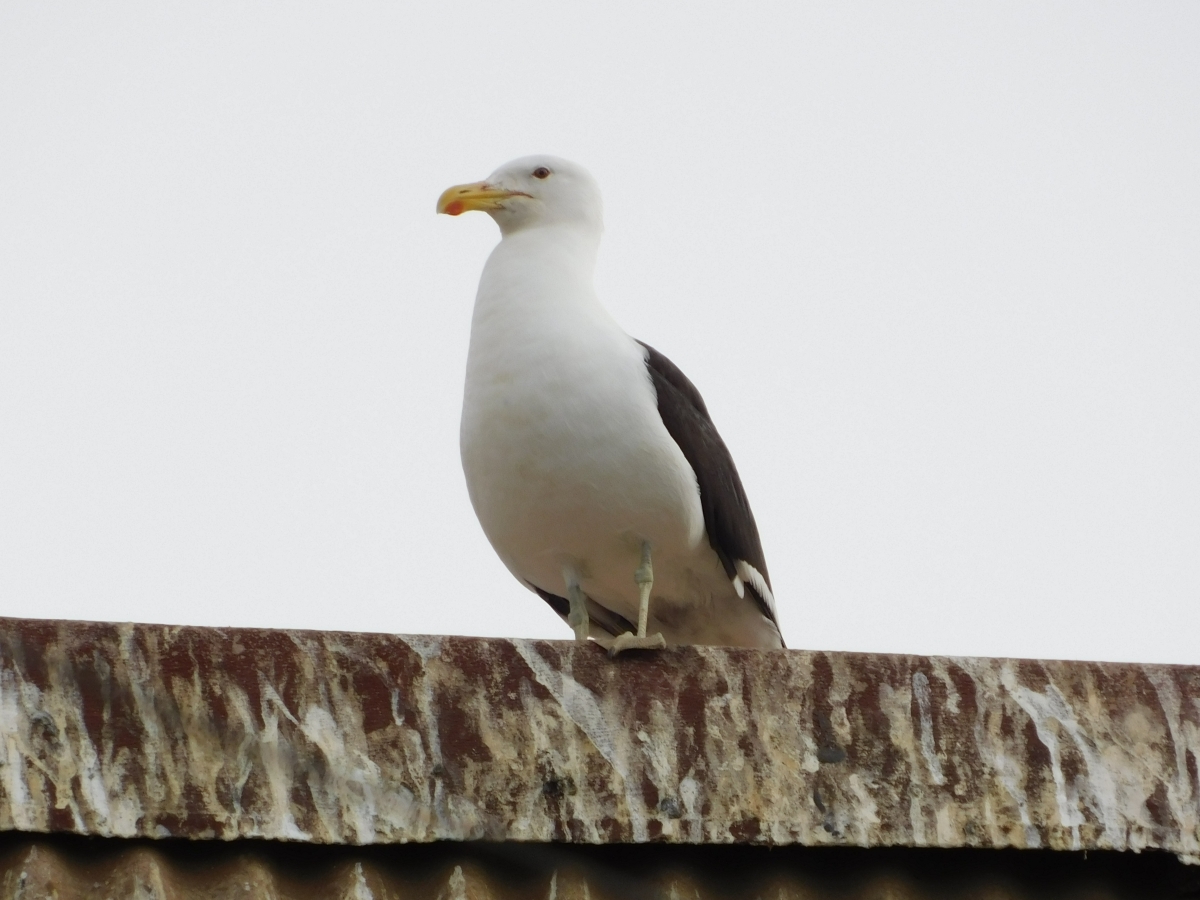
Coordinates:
[732,531]
[602,618]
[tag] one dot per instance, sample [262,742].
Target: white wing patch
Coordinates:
[747,574]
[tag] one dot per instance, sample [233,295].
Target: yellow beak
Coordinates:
[464,197]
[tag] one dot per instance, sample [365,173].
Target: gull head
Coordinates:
[531,192]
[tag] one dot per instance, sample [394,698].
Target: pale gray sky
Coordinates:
[935,267]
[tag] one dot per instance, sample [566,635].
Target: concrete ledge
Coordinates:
[155,731]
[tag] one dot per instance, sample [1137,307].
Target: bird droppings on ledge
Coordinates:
[155,731]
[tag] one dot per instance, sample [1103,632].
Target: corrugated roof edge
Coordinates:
[68,867]
[119,730]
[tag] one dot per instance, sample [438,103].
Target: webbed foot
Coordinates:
[631,641]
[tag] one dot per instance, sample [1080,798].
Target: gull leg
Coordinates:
[644,576]
[577,616]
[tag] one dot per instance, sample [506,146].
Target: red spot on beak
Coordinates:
[454,208]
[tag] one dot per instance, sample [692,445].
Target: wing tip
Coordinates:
[748,575]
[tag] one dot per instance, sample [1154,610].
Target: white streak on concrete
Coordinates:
[11,756]
[689,795]
[866,814]
[916,820]
[581,707]
[1180,790]
[276,757]
[354,777]
[924,710]
[1008,771]
[1103,791]
[429,648]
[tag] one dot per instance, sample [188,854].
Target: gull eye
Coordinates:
[541,172]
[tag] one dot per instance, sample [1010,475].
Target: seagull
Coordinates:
[591,460]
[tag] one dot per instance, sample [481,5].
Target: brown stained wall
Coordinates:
[154,731]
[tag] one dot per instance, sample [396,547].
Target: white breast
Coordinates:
[566,459]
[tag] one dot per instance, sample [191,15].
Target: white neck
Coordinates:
[540,271]
[537,307]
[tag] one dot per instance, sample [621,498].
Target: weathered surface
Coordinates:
[137,730]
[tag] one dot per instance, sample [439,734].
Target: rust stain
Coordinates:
[152,731]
